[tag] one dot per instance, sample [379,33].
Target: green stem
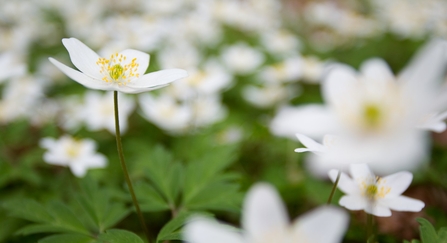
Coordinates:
[369,227]
[124,167]
[334,187]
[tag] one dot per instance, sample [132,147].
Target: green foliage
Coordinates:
[428,232]
[200,183]
[171,230]
[98,212]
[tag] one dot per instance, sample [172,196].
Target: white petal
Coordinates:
[339,84]
[47,143]
[202,230]
[360,172]
[378,210]
[81,78]
[312,120]
[78,169]
[398,182]
[403,203]
[157,79]
[353,202]
[263,211]
[83,57]
[428,66]
[330,220]
[376,70]
[141,58]
[310,145]
[345,183]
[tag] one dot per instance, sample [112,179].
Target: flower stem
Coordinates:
[334,187]
[124,167]
[369,228]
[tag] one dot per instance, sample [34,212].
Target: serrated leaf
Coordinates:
[41,228]
[150,200]
[442,235]
[67,238]
[101,210]
[216,196]
[169,231]
[164,173]
[428,232]
[65,217]
[119,236]
[28,209]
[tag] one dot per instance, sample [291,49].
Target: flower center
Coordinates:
[73,149]
[371,191]
[372,115]
[117,69]
[375,188]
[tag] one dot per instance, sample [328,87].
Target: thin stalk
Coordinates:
[124,167]
[369,227]
[333,188]
[329,201]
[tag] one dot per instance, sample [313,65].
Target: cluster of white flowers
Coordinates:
[372,116]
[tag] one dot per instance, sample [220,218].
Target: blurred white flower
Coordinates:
[206,110]
[376,114]
[264,220]
[122,72]
[242,59]
[268,95]
[11,66]
[289,70]
[79,155]
[99,113]
[165,112]
[376,195]
[280,42]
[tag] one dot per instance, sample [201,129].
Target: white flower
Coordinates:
[98,111]
[377,115]
[165,112]
[241,58]
[264,220]
[79,155]
[375,195]
[122,72]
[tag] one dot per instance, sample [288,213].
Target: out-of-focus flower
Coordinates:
[377,196]
[264,219]
[99,112]
[79,155]
[241,58]
[11,66]
[376,115]
[122,72]
[165,112]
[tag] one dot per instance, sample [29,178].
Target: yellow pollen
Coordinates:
[372,115]
[116,71]
[371,191]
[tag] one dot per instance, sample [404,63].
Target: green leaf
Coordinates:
[42,228]
[28,209]
[169,231]
[164,173]
[65,217]
[442,235]
[101,210]
[119,236]
[67,238]
[428,232]
[150,200]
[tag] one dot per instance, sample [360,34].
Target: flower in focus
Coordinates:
[265,220]
[122,72]
[375,195]
[380,118]
[79,155]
